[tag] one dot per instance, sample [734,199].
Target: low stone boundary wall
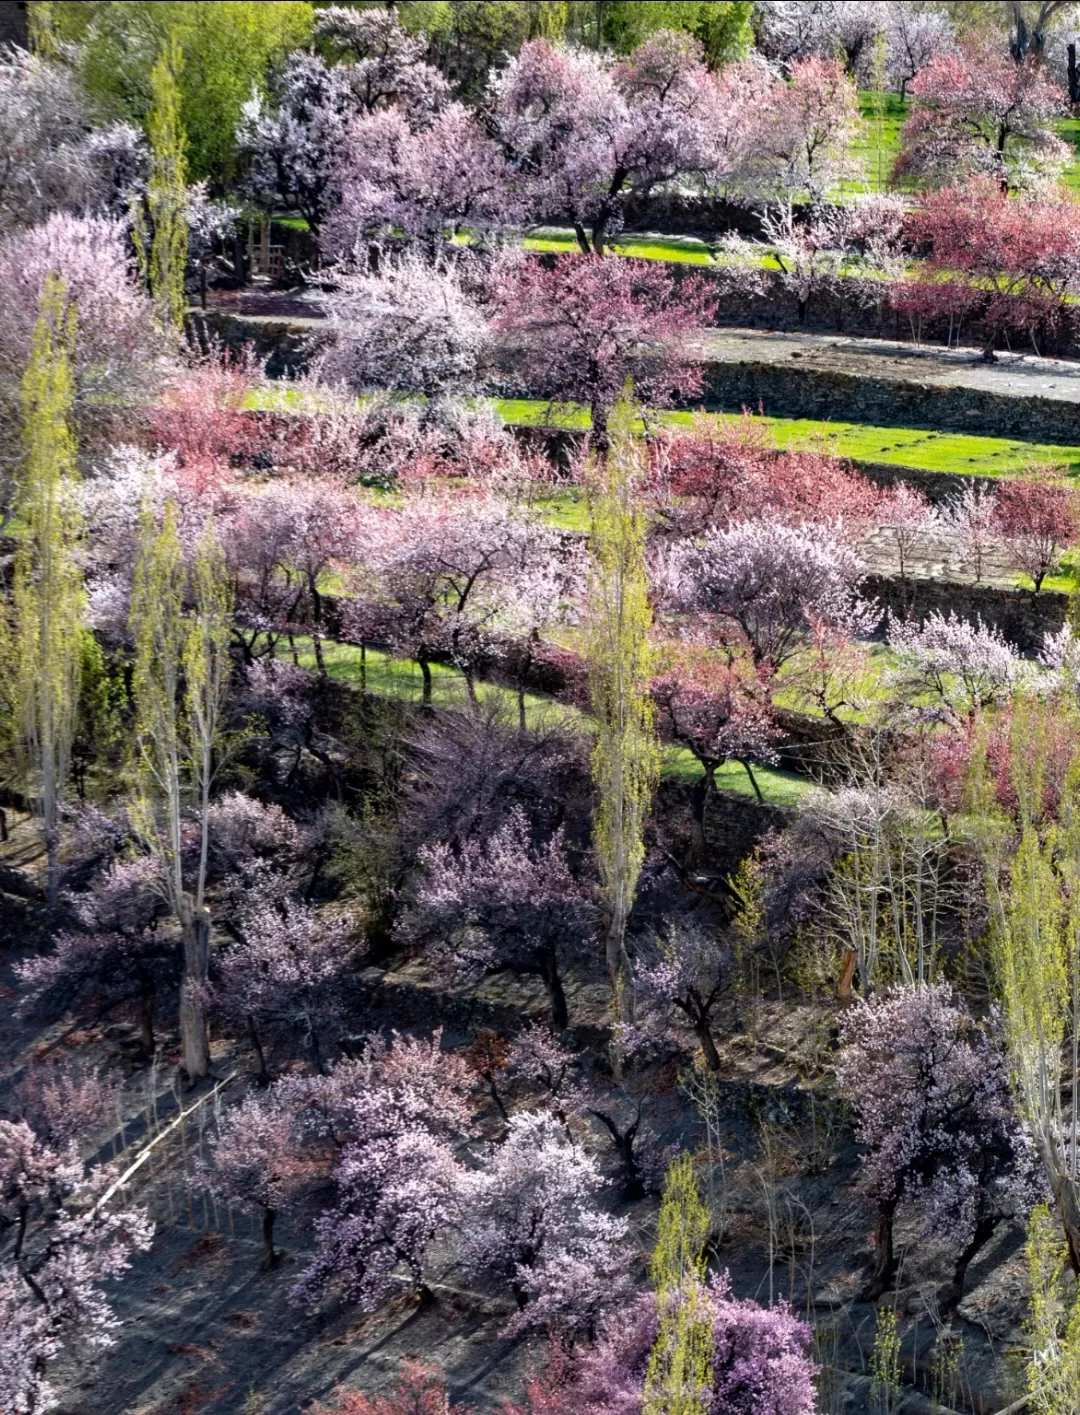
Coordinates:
[1023,617]
[830,394]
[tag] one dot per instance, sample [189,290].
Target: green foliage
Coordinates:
[102,701]
[48,594]
[885,1364]
[471,37]
[681,1229]
[626,760]
[679,1376]
[1053,1322]
[159,227]
[228,47]
[157,627]
[722,26]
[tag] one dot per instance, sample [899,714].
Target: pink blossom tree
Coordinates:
[907,516]
[1037,518]
[62,1243]
[452,569]
[294,141]
[65,1106]
[759,1360]
[960,666]
[978,111]
[803,133]
[285,973]
[411,327]
[971,516]
[772,584]
[727,469]
[386,1120]
[581,132]
[116,347]
[119,956]
[1012,260]
[504,902]
[719,710]
[931,1095]
[530,1220]
[579,328]
[420,1391]
[684,980]
[54,160]
[427,182]
[258,1165]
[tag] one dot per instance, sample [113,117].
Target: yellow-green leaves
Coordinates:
[49,597]
[626,760]
[159,227]
[679,1375]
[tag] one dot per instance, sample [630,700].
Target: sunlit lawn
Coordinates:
[400,678]
[896,446]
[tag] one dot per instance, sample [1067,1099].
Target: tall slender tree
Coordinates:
[159,227]
[180,684]
[625,762]
[678,1379]
[49,596]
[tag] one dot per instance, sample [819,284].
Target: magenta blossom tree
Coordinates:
[759,1361]
[580,327]
[930,1089]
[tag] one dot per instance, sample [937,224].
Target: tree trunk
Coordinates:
[582,238]
[270,1256]
[633,1179]
[425,673]
[194,1031]
[320,662]
[845,982]
[1074,77]
[549,971]
[753,779]
[363,668]
[146,1019]
[950,1295]
[884,1255]
[600,438]
[264,1072]
[1065,1201]
[703,1032]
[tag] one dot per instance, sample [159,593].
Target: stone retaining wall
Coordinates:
[821,394]
[1024,618]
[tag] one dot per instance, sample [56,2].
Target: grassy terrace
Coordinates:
[400,678]
[901,447]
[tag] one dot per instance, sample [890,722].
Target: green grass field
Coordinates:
[900,447]
[400,678]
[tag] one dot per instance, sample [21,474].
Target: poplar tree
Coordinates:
[49,597]
[678,1379]
[1035,936]
[159,227]
[625,761]
[180,682]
